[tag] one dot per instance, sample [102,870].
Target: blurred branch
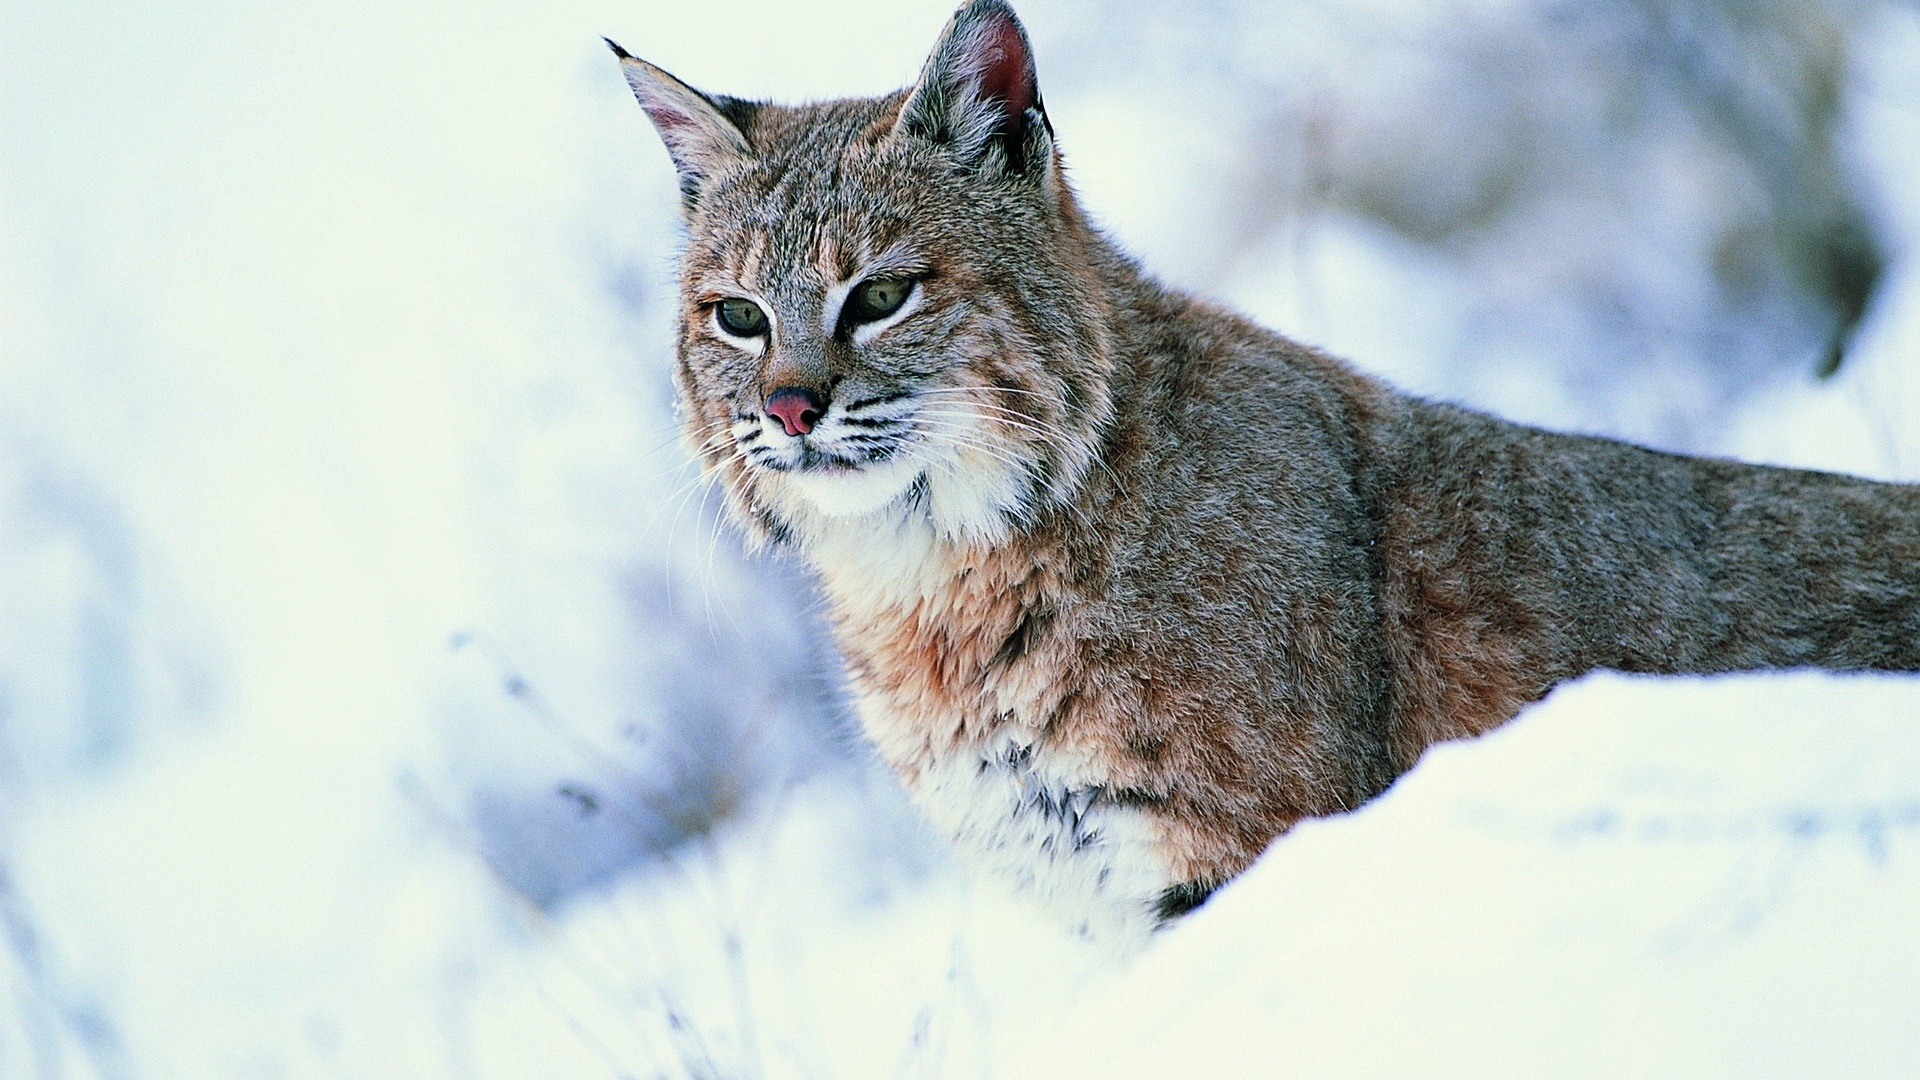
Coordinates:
[83,1021]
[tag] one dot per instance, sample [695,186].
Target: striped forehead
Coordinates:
[815,239]
[819,201]
[784,260]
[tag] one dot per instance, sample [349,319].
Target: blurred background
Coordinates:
[381,696]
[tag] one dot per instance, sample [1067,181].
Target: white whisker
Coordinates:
[1043,432]
[961,438]
[1010,415]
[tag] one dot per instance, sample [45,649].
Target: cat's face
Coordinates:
[885,295]
[879,313]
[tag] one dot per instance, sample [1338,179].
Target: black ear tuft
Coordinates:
[979,93]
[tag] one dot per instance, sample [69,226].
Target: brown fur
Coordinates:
[1225,582]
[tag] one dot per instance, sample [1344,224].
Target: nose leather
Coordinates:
[797,408]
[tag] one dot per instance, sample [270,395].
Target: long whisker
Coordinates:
[697,454]
[950,466]
[706,577]
[959,437]
[701,476]
[995,407]
[678,435]
[694,493]
[706,586]
[717,442]
[1012,464]
[1011,420]
[1010,413]
[1034,425]
[676,500]
[991,390]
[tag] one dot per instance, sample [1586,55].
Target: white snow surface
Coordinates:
[1683,879]
[361,634]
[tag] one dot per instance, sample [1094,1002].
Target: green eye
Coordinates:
[742,318]
[877,298]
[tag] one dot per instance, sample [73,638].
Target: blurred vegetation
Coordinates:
[1633,192]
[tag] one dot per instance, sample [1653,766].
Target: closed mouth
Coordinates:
[815,459]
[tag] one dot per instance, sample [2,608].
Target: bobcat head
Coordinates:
[888,307]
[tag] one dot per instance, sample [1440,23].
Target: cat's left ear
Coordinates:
[702,133]
[978,93]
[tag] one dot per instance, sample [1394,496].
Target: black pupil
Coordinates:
[742,317]
[878,299]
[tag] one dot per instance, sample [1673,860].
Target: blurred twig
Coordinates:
[82,1021]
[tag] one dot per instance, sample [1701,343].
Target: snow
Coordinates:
[1697,878]
[379,696]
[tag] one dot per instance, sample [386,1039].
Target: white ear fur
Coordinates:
[978,92]
[699,137]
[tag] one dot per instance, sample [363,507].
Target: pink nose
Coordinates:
[796,407]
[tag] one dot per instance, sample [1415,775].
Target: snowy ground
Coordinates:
[1694,880]
[377,699]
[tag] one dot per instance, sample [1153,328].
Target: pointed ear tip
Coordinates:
[617,50]
[981,9]
[994,18]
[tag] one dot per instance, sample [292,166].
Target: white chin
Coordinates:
[853,492]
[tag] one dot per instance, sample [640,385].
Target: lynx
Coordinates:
[1127,585]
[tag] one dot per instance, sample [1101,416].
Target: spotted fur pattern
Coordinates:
[1126,584]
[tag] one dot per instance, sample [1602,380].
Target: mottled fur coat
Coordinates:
[1126,584]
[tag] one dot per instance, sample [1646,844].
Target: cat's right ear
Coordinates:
[700,136]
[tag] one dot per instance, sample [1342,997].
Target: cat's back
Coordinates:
[1241,434]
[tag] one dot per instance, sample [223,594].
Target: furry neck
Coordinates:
[914,548]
